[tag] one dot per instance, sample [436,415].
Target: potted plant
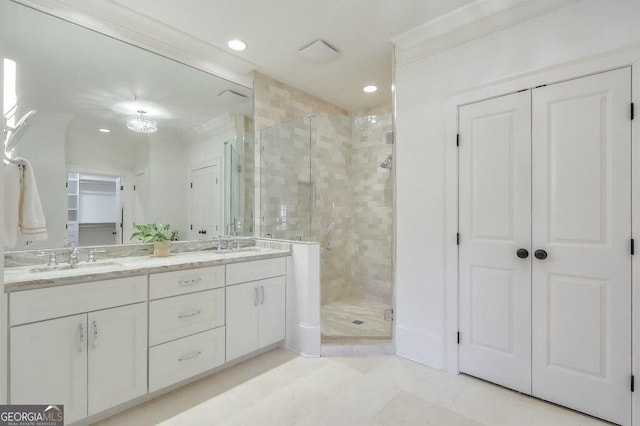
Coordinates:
[157,233]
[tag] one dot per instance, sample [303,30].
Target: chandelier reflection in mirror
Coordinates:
[141,123]
[368,123]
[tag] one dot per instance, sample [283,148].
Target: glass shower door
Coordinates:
[239,158]
[285,181]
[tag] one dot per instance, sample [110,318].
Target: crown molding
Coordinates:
[467,23]
[115,20]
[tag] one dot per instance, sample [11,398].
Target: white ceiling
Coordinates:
[360,30]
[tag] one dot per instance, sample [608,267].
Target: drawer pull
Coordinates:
[190,314]
[189,282]
[81,337]
[95,333]
[189,356]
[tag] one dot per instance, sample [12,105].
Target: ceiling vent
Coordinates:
[231,96]
[319,52]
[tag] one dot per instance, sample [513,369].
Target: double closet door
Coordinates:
[545,229]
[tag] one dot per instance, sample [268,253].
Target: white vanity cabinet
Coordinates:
[49,363]
[89,361]
[256,308]
[101,344]
[186,324]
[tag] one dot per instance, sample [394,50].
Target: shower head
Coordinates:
[386,164]
[15,133]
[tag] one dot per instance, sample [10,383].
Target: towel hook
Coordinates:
[13,134]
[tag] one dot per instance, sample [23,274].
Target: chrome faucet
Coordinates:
[74,256]
[52,257]
[92,255]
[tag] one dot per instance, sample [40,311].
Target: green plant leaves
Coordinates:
[153,232]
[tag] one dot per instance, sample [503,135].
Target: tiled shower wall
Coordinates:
[371,189]
[331,156]
[347,186]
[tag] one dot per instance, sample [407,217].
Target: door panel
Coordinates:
[491,309]
[242,319]
[271,322]
[205,207]
[49,364]
[577,327]
[117,362]
[581,217]
[495,221]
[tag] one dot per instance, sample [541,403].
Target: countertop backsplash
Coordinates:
[15,259]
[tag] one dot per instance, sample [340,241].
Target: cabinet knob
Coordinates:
[540,254]
[522,253]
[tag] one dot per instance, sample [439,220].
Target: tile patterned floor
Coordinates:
[338,317]
[281,389]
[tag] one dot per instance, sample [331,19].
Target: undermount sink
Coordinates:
[252,248]
[66,266]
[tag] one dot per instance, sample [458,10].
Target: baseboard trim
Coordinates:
[420,347]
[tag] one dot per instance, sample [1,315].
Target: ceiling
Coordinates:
[360,30]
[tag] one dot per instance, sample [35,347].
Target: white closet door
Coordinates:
[581,293]
[205,207]
[495,222]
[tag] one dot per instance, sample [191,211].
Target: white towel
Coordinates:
[31,223]
[11,203]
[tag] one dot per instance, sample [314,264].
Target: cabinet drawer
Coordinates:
[180,359]
[45,303]
[181,316]
[167,284]
[256,270]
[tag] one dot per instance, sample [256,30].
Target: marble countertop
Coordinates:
[32,277]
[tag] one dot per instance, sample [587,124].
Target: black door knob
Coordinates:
[522,253]
[540,254]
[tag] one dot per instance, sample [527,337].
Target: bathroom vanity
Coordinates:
[103,336]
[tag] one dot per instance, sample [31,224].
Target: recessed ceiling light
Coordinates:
[103,130]
[236,44]
[370,89]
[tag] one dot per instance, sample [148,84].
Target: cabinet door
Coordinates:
[49,365]
[117,356]
[242,319]
[271,324]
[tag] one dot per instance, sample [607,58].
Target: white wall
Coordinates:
[208,143]
[98,151]
[425,105]
[167,194]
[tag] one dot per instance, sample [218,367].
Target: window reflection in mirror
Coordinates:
[85,86]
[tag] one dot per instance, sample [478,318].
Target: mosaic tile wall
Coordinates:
[346,187]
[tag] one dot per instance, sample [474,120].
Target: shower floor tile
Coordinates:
[354,317]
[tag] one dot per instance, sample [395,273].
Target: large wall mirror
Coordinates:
[97,169]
